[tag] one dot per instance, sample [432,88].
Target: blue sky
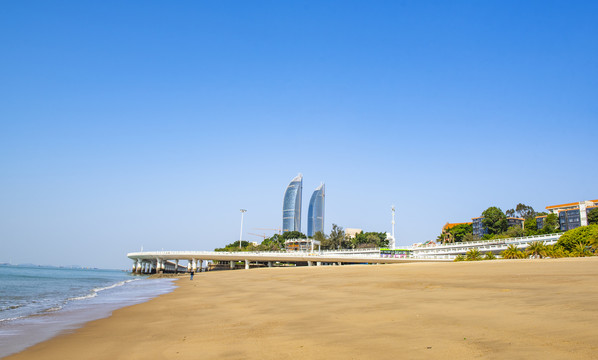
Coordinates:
[151,123]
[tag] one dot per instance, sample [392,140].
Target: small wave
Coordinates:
[93,294]
[52,309]
[12,318]
[11,307]
[95,291]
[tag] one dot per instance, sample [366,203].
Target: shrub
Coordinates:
[512,252]
[490,256]
[586,235]
[473,255]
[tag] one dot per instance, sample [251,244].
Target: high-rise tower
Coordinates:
[291,207]
[315,212]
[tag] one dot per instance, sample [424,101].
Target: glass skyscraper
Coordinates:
[291,207]
[315,213]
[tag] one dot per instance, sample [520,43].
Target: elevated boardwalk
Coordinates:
[484,246]
[169,261]
[151,261]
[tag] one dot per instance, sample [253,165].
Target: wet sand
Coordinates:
[516,309]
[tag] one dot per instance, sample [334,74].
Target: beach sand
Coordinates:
[515,309]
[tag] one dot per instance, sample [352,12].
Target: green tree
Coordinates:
[320,236]
[593,217]
[288,235]
[273,243]
[512,252]
[369,240]
[459,231]
[551,224]
[525,211]
[337,239]
[235,246]
[494,220]
[514,231]
[470,237]
[459,258]
[530,227]
[587,235]
[473,254]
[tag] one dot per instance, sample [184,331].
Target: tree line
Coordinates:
[337,239]
[496,223]
[578,242]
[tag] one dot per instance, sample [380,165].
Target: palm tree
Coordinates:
[512,253]
[490,256]
[555,251]
[448,237]
[473,255]
[581,250]
[536,249]
[459,258]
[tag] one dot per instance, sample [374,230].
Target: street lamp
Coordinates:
[243,211]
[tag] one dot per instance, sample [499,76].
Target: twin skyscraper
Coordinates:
[291,208]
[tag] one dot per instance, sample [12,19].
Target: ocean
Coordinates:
[37,303]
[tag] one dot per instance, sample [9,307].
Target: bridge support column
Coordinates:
[188,265]
[176,266]
[193,265]
[138,267]
[269,263]
[159,266]
[309,263]
[319,263]
[340,263]
[231,264]
[246,264]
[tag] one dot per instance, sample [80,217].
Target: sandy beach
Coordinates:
[516,309]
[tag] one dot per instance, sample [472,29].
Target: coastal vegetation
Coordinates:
[586,236]
[512,252]
[579,242]
[336,240]
[273,243]
[473,255]
[496,223]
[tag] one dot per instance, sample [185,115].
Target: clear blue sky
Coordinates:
[151,123]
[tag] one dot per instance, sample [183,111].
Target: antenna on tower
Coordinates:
[392,240]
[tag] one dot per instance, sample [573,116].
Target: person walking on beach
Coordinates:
[192,272]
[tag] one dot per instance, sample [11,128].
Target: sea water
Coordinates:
[37,303]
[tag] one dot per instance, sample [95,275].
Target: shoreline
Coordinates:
[20,333]
[491,309]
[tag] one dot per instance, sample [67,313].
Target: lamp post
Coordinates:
[393,244]
[243,211]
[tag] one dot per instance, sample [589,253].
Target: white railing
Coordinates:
[442,251]
[493,241]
